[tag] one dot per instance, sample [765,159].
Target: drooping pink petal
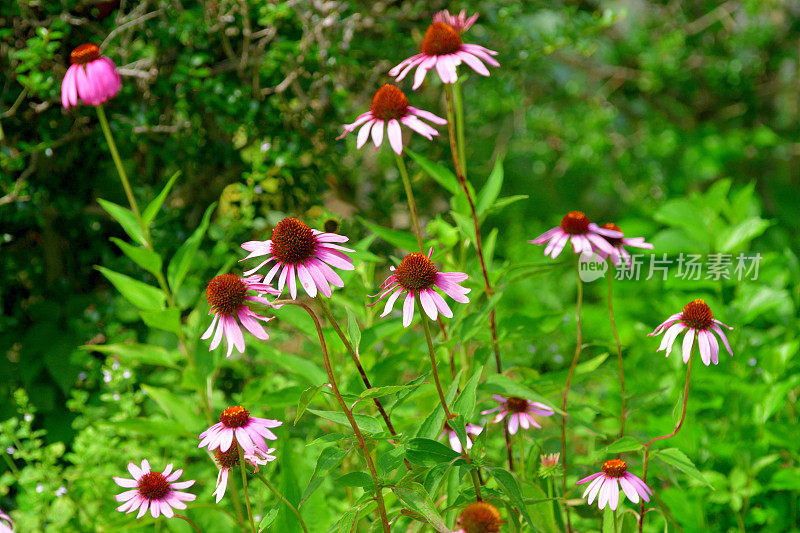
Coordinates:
[408,309]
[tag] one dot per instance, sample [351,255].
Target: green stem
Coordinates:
[277,493]
[616,521]
[118,162]
[191,523]
[244,485]
[622,415]
[462,147]
[412,206]
[578,346]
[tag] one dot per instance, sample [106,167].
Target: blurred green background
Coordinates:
[677,120]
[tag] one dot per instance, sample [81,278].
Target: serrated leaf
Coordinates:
[442,175]
[428,452]
[140,294]
[678,459]
[153,207]
[126,219]
[182,260]
[415,497]
[136,353]
[365,423]
[510,487]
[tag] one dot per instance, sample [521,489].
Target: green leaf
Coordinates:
[427,452]
[126,219]
[153,207]
[678,459]
[505,386]
[508,484]
[144,257]
[415,498]
[624,444]
[400,239]
[356,479]
[148,427]
[440,174]
[305,399]
[378,392]
[303,368]
[353,331]
[182,260]
[736,237]
[505,201]
[491,189]
[434,422]
[328,458]
[365,423]
[140,294]
[167,319]
[136,353]
[465,403]
[178,408]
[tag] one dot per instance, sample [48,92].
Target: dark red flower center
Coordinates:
[440,39]
[226,294]
[480,517]
[153,486]
[697,314]
[292,241]
[517,405]
[575,223]
[613,241]
[416,272]
[389,103]
[228,459]
[84,54]
[615,467]
[234,417]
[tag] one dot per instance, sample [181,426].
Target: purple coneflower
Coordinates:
[6,526]
[443,48]
[479,517]
[696,317]
[92,78]
[605,485]
[303,254]
[236,423]
[417,274]
[460,22]
[230,459]
[471,429]
[621,255]
[157,491]
[549,460]
[227,296]
[521,410]
[575,227]
[389,109]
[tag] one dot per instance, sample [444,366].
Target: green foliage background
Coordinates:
[677,120]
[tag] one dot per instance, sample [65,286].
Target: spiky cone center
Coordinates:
[697,314]
[416,272]
[153,486]
[480,517]
[516,404]
[613,241]
[550,460]
[440,39]
[292,241]
[575,223]
[83,54]
[389,103]
[234,417]
[615,467]
[226,294]
[228,459]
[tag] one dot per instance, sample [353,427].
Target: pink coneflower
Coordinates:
[696,317]
[227,296]
[230,459]
[442,48]
[549,460]
[417,274]
[479,517]
[92,78]
[521,410]
[606,484]
[460,22]
[390,109]
[471,429]
[155,490]
[575,227]
[621,255]
[236,423]
[303,254]
[6,526]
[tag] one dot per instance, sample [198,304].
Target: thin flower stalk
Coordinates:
[281,497]
[244,486]
[623,413]
[348,414]
[190,522]
[448,91]
[578,347]
[667,436]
